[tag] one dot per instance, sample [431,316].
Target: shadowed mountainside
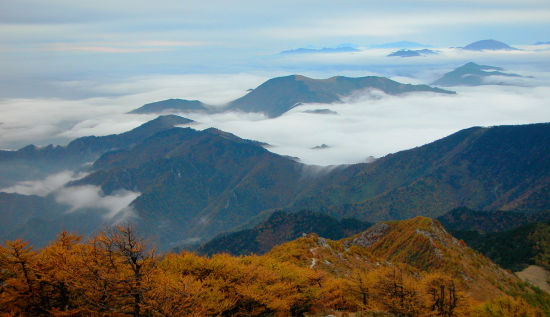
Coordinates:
[502,167]
[281,227]
[31,162]
[472,74]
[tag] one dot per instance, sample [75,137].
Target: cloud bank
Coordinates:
[367,124]
[113,208]
[377,124]
[81,197]
[44,186]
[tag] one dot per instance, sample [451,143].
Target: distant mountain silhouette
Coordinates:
[340,49]
[490,45]
[412,53]
[321,111]
[472,74]
[172,105]
[278,95]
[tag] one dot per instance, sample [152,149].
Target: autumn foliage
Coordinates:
[116,273]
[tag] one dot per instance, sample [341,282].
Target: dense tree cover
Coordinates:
[487,221]
[513,249]
[115,273]
[280,227]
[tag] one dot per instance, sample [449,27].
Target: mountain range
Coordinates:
[339,49]
[490,45]
[172,105]
[472,74]
[412,53]
[193,185]
[32,162]
[278,95]
[196,184]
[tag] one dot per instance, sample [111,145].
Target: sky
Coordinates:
[44,44]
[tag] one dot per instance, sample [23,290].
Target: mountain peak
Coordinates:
[171,105]
[491,45]
[472,74]
[278,95]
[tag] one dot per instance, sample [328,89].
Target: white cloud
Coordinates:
[365,125]
[378,126]
[43,121]
[88,196]
[44,186]
[384,24]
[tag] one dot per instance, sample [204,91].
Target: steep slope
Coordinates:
[407,268]
[281,227]
[491,45]
[38,219]
[422,244]
[472,74]
[16,210]
[278,95]
[31,162]
[513,249]
[196,184]
[465,219]
[172,105]
[503,167]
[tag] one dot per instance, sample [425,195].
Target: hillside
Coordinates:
[278,95]
[196,184]
[281,227]
[495,168]
[31,162]
[406,268]
[513,249]
[472,74]
[514,240]
[421,244]
[465,219]
[16,210]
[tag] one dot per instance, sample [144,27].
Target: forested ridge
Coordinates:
[116,273]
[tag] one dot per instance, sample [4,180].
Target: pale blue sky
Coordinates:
[63,40]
